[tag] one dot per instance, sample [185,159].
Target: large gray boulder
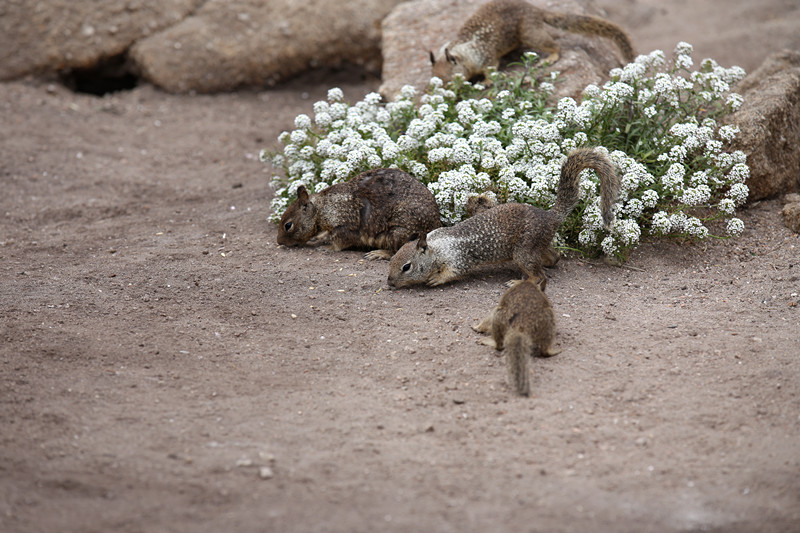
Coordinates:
[232,43]
[45,37]
[769,124]
[417,27]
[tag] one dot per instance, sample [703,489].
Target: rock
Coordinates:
[769,124]
[232,43]
[417,27]
[791,216]
[45,37]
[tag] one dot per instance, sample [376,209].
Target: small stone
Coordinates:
[266,457]
[791,216]
[265,472]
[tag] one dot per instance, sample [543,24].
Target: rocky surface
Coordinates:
[45,37]
[415,28]
[791,212]
[229,44]
[191,45]
[769,123]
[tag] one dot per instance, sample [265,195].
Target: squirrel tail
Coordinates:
[568,192]
[589,25]
[518,348]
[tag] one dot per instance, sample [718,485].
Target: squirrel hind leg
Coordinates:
[485,325]
[376,255]
[550,257]
[488,341]
[538,40]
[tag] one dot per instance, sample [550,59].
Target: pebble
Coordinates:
[265,472]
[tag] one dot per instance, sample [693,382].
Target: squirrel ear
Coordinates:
[433,59]
[450,57]
[422,243]
[302,194]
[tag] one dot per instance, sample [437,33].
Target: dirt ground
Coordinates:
[165,366]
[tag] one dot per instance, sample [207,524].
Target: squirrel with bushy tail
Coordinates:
[521,233]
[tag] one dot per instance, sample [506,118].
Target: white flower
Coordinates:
[609,245]
[338,111]
[728,132]
[683,48]
[323,119]
[547,88]
[650,198]
[632,72]
[440,154]
[321,186]
[696,196]
[727,206]
[302,122]
[738,193]
[684,62]
[628,232]
[335,94]
[735,227]
[408,92]
[660,223]
[678,221]
[734,101]
[592,91]
[634,208]
[694,227]
[673,179]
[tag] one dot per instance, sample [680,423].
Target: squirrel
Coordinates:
[524,324]
[508,232]
[501,26]
[483,202]
[381,208]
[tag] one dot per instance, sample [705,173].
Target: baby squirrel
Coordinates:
[501,26]
[381,208]
[509,232]
[523,323]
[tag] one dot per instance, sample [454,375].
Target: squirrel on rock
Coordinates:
[509,232]
[501,26]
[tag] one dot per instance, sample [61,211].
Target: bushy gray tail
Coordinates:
[568,192]
[518,350]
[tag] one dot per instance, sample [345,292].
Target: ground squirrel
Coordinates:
[509,232]
[501,26]
[523,323]
[381,209]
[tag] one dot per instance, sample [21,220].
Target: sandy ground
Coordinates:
[165,366]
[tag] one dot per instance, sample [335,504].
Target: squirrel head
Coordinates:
[448,64]
[411,265]
[299,223]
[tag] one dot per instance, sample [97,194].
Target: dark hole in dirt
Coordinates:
[108,75]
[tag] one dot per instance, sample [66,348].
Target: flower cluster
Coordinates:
[657,120]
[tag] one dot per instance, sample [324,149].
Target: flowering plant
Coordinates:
[656,119]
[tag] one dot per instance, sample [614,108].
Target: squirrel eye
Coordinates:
[406,267]
[287,226]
